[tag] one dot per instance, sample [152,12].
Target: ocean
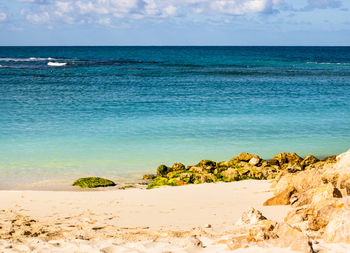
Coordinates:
[119,112]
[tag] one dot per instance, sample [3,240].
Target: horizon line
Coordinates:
[101,45]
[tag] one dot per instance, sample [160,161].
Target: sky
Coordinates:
[174,22]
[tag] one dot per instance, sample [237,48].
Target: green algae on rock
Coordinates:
[242,167]
[93,182]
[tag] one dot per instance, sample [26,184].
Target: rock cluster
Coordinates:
[320,197]
[253,229]
[242,167]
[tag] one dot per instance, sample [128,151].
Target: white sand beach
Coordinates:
[132,220]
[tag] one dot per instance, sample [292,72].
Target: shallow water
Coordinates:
[121,111]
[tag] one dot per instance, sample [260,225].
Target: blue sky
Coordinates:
[174,22]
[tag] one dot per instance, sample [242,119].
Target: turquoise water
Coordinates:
[121,111]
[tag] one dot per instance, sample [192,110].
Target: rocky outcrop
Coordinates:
[241,167]
[254,229]
[319,197]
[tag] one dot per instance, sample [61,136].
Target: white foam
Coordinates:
[328,63]
[26,59]
[57,64]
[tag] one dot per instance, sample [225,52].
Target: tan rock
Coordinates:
[286,160]
[282,198]
[338,228]
[292,238]
[319,216]
[254,161]
[325,192]
[310,159]
[245,157]
[250,217]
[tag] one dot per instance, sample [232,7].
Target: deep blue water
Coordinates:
[121,111]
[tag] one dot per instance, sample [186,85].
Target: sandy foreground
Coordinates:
[167,219]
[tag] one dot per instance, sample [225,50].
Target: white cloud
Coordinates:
[37,18]
[104,21]
[64,7]
[170,11]
[104,11]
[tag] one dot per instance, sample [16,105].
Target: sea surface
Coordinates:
[119,112]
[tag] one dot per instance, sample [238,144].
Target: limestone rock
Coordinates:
[250,217]
[338,229]
[283,198]
[319,216]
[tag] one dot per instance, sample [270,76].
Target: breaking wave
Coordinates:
[56,64]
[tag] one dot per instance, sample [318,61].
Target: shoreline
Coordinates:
[303,210]
[130,178]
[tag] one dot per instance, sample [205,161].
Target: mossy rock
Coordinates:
[175,174]
[93,182]
[178,166]
[163,170]
[206,164]
[230,175]
[149,177]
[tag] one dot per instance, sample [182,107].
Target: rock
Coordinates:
[310,159]
[292,238]
[149,177]
[178,166]
[282,198]
[319,216]
[245,157]
[331,159]
[196,169]
[273,162]
[195,242]
[206,164]
[204,178]
[264,230]
[187,177]
[338,229]
[162,181]
[287,158]
[223,164]
[93,182]
[292,168]
[254,161]
[163,170]
[230,175]
[325,192]
[250,217]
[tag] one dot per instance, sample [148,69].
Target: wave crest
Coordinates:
[57,64]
